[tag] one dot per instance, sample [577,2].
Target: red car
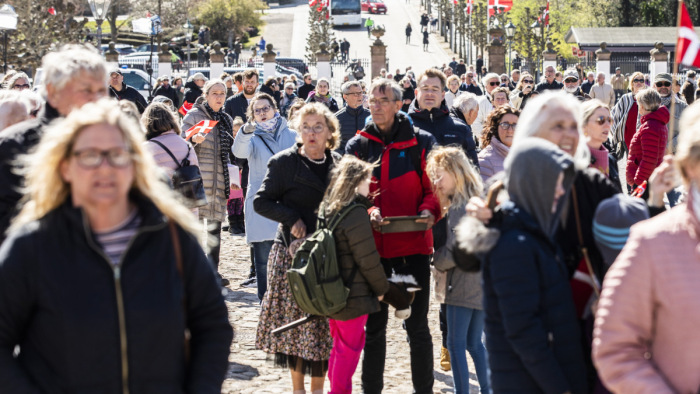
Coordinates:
[373,6]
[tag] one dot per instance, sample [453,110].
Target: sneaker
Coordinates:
[250,282]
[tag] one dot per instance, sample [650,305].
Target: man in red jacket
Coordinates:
[649,142]
[403,189]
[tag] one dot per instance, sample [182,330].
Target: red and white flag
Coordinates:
[470,5]
[545,16]
[52,11]
[185,108]
[496,4]
[313,3]
[203,127]
[688,45]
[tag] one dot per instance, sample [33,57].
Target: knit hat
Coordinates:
[612,221]
[663,77]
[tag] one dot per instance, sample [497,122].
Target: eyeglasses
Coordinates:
[528,81]
[353,93]
[571,80]
[316,129]
[382,102]
[496,83]
[602,119]
[262,110]
[663,83]
[506,125]
[21,87]
[93,158]
[638,80]
[288,88]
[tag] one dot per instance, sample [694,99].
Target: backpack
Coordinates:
[187,179]
[314,278]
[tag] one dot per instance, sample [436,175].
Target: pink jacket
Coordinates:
[645,337]
[491,158]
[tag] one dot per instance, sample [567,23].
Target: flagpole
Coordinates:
[671,123]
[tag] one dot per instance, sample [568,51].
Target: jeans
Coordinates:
[261,252]
[416,326]
[348,341]
[465,327]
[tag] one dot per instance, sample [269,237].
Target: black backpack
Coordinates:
[187,179]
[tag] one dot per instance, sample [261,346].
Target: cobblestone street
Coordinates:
[249,370]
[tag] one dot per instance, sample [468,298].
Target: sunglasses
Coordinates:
[528,81]
[638,80]
[602,119]
[570,80]
[494,83]
[663,83]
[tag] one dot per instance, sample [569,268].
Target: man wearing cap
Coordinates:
[603,91]
[121,91]
[549,82]
[662,84]
[167,91]
[571,85]
[588,83]
[688,89]
[618,83]
[193,87]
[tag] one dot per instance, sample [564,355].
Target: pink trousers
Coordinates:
[348,342]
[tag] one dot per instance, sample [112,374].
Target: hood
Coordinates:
[192,85]
[662,115]
[423,114]
[531,171]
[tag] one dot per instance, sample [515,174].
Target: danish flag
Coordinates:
[52,11]
[470,3]
[185,108]
[203,127]
[495,4]
[688,42]
[545,16]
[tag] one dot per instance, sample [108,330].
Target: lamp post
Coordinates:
[537,30]
[188,36]
[510,34]
[99,9]
[8,21]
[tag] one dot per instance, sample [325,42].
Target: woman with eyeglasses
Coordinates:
[104,285]
[321,94]
[288,98]
[19,81]
[497,140]
[596,123]
[523,91]
[625,115]
[290,194]
[212,150]
[266,134]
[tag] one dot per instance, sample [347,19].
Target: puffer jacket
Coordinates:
[209,155]
[253,148]
[357,253]
[462,288]
[64,304]
[527,297]
[648,146]
[192,92]
[351,120]
[491,158]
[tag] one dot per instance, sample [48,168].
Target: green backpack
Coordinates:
[314,277]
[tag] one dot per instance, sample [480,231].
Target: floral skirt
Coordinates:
[305,348]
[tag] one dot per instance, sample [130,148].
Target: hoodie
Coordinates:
[648,146]
[192,92]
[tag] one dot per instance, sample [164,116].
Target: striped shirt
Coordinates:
[115,240]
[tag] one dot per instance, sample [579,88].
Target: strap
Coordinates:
[171,153]
[364,146]
[268,146]
[180,271]
[584,250]
[341,215]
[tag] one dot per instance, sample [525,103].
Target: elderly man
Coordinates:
[391,140]
[66,88]
[618,83]
[588,83]
[465,108]
[469,83]
[571,85]
[603,91]
[514,79]
[121,91]
[662,84]
[491,81]
[549,82]
[352,117]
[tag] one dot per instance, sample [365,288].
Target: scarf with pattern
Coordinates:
[225,130]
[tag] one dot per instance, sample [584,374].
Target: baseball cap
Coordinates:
[663,77]
[612,221]
[570,74]
[116,71]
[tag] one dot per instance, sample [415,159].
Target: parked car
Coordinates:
[293,62]
[373,6]
[123,49]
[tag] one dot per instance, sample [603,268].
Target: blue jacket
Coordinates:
[252,148]
[236,105]
[352,120]
[445,129]
[532,332]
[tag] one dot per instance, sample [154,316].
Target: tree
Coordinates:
[116,8]
[173,13]
[224,16]
[320,29]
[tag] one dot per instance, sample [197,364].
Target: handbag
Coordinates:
[187,180]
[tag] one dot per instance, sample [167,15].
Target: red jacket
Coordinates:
[648,146]
[399,189]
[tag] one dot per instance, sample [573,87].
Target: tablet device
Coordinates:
[403,224]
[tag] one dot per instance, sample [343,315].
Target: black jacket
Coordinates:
[586,86]
[461,69]
[471,89]
[542,86]
[192,92]
[446,130]
[131,94]
[169,92]
[16,141]
[291,191]
[532,331]
[61,304]
[304,90]
[237,105]
[352,120]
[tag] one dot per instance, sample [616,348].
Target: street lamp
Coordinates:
[8,21]
[188,35]
[537,30]
[99,9]
[510,34]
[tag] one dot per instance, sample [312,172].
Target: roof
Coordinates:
[623,39]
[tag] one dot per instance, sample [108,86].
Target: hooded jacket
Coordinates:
[401,191]
[351,120]
[131,94]
[648,146]
[445,129]
[532,331]
[192,92]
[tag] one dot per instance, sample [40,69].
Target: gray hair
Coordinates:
[385,86]
[347,85]
[490,76]
[649,99]
[11,81]
[290,84]
[531,121]
[13,108]
[466,102]
[70,62]
[210,84]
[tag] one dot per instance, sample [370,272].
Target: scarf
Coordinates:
[270,124]
[322,99]
[225,130]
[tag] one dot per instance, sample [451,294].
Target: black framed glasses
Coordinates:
[21,87]
[663,83]
[93,158]
[262,110]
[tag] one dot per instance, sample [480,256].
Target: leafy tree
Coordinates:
[224,16]
[320,29]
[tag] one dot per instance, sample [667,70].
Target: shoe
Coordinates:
[250,282]
[445,360]
[237,228]
[224,282]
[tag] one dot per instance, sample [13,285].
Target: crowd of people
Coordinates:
[556,219]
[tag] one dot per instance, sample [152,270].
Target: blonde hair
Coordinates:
[318,109]
[454,161]
[46,189]
[345,178]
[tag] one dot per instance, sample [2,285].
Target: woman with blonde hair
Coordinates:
[625,116]
[119,291]
[452,90]
[596,123]
[455,181]
[290,194]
